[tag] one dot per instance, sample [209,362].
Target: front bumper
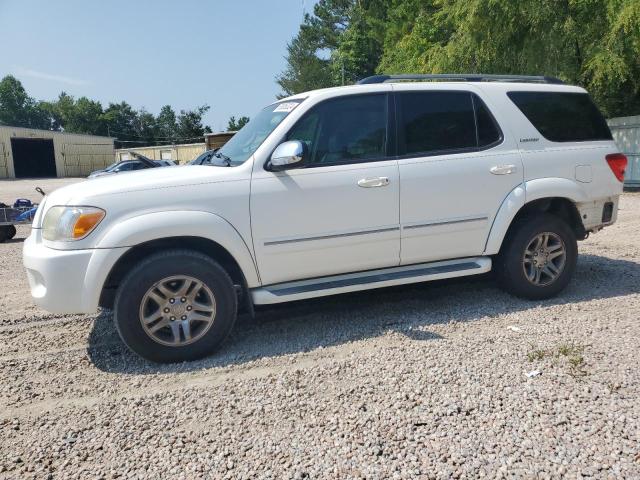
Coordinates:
[66,281]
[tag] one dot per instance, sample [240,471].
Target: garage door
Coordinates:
[33,157]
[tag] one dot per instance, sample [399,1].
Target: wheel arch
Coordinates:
[137,253]
[556,196]
[139,236]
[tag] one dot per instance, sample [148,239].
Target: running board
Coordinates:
[353,282]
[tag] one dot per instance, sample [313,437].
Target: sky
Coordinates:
[184,53]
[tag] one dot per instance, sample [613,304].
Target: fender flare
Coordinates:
[124,235]
[525,193]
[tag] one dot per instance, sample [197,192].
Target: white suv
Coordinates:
[391,181]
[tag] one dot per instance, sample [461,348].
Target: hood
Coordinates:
[82,192]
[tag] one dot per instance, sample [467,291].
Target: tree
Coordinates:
[305,70]
[81,116]
[308,67]
[235,125]
[145,127]
[340,43]
[167,123]
[190,125]
[19,109]
[594,43]
[120,121]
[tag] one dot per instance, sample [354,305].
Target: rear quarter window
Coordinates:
[562,116]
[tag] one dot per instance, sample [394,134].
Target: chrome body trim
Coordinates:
[446,222]
[327,237]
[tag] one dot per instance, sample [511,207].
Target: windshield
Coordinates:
[244,143]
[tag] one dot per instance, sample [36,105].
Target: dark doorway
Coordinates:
[33,157]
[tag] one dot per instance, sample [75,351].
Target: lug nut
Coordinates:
[189,307]
[173,318]
[183,317]
[166,310]
[172,300]
[183,299]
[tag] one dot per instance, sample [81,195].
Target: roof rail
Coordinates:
[460,77]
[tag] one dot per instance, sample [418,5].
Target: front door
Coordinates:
[339,213]
[456,168]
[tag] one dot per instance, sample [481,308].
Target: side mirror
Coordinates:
[287,155]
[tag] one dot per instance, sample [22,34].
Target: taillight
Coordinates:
[618,164]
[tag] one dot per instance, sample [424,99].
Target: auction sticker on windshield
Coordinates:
[286,107]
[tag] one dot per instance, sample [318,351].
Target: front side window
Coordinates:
[343,130]
[244,143]
[562,116]
[440,121]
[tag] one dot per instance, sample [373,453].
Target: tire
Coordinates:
[7,232]
[157,280]
[517,270]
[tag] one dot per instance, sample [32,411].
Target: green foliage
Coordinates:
[592,43]
[119,120]
[190,125]
[19,109]
[234,125]
[305,69]
[167,123]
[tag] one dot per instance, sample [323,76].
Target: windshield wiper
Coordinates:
[226,159]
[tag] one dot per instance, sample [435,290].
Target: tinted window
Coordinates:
[436,121]
[344,130]
[125,167]
[561,116]
[488,131]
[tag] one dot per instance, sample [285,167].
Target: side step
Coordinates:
[385,277]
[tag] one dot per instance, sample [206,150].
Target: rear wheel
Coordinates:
[174,306]
[538,257]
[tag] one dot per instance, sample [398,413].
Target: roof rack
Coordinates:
[460,77]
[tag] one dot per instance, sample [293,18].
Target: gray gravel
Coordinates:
[428,381]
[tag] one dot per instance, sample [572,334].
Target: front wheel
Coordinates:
[175,306]
[538,257]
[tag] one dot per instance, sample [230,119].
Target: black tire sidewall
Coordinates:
[155,268]
[7,232]
[510,272]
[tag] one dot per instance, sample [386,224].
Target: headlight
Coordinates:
[70,223]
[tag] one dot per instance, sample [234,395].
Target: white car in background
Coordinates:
[392,181]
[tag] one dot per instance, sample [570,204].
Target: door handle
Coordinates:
[503,169]
[373,182]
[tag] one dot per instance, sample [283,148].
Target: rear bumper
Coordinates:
[599,213]
[66,281]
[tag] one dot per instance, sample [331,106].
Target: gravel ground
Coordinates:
[427,381]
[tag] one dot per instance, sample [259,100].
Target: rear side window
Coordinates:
[562,116]
[436,122]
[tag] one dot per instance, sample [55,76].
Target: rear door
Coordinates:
[456,168]
[340,212]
